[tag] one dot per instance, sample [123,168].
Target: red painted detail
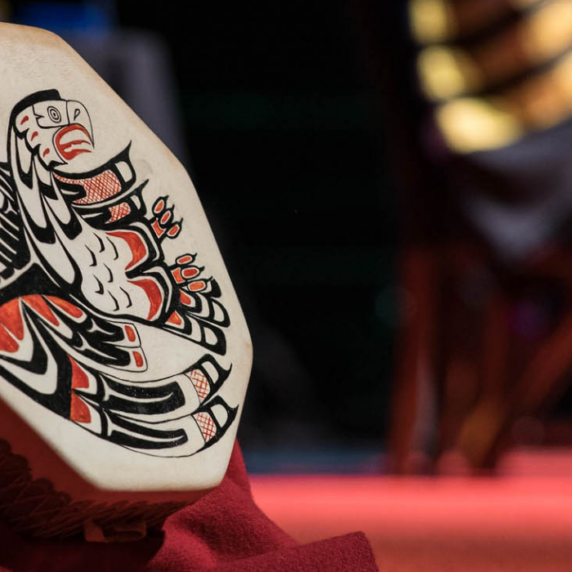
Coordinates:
[7,342]
[34,135]
[154,294]
[166,217]
[159,206]
[200,382]
[11,318]
[117,212]
[197,286]
[97,189]
[176,273]
[130,333]
[66,306]
[136,244]
[185,259]
[39,305]
[139,362]
[24,119]
[69,149]
[80,379]
[190,272]
[206,425]
[79,411]
[175,319]
[174,231]
[185,299]
[159,232]
[45,152]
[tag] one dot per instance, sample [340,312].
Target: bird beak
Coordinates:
[76,137]
[73,140]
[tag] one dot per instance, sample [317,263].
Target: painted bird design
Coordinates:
[90,306]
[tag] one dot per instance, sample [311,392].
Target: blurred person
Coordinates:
[486,344]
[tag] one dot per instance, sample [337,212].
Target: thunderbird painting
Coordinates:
[90,298]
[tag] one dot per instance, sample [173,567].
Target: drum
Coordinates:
[124,354]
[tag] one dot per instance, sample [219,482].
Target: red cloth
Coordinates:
[222,532]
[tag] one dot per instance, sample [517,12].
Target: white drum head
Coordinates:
[124,355]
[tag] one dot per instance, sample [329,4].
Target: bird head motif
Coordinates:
[95,247]
[55,130]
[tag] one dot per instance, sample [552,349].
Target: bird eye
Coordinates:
[54,114]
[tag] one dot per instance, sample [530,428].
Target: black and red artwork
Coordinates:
[86,289]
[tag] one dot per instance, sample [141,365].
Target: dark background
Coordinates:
[281,128]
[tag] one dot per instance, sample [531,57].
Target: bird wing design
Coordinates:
[93,305]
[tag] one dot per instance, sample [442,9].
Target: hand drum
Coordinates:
[124,355]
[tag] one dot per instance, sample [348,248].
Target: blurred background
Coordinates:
[390,184]
[272,110]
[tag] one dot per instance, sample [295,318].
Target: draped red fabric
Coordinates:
[224,531]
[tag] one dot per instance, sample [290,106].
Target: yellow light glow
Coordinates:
[525,3]
[549,31]
[446,72]
[430,20]
[472,124]
[546,99]
[541,103]
[563,76]
[558,96]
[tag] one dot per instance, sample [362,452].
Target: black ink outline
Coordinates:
[190,305]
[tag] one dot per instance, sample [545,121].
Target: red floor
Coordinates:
[511,523]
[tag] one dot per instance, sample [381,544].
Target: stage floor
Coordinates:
[518,522]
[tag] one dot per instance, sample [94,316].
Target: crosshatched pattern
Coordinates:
[206,425]
[101,277]
[98,188]
[200,382]
[119,211]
